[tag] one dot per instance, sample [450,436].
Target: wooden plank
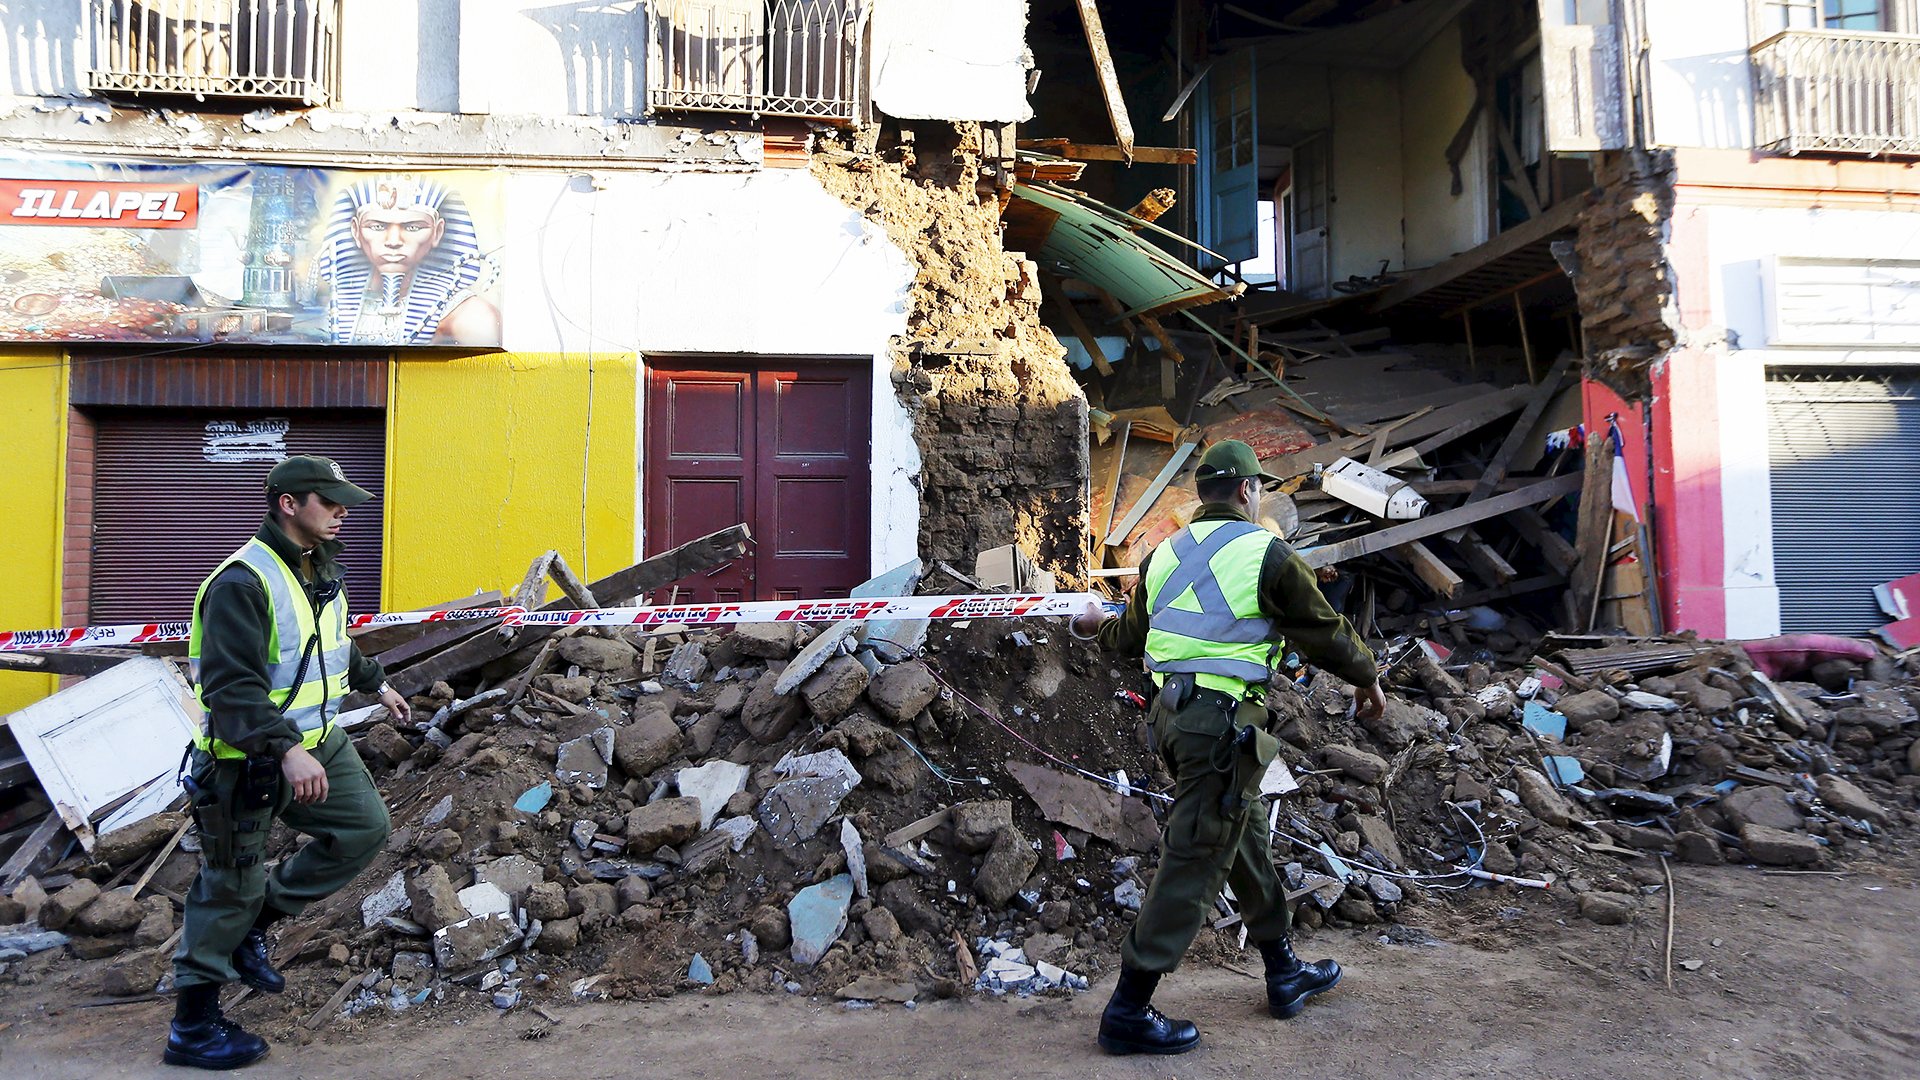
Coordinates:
[1552,546]
[1592,535]
[1151,495]
[1149,155]
[1522,587]
[1502,460]
[1384,539]
[1463,415]
[1486,563]
[1159,332]
[1436,575]
[1109,79]
[66,661]
[1472,423]
[1085,333]
[32,852]
[1186,91]
[693,557]
[1119,471]
[378,639]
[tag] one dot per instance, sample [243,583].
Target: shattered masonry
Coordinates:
[999,421]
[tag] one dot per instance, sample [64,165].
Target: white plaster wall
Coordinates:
[552,59]
[1435,96]
[397,55]
[935,59]
[754,263]
[1365,219]
[1740,242]
[1701,84]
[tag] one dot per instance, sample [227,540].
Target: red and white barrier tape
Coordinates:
[862,609]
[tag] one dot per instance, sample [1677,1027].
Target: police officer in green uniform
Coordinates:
[271,661]
[1214,608]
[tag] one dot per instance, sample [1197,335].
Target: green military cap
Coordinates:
[302,473]
[1231,459]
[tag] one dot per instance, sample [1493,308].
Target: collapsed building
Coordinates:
[881,313]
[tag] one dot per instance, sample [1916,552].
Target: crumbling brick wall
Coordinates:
[1000,424]
[1624,284]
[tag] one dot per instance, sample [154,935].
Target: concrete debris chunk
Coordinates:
[471,942]
[389,899]
[647,743]
[1537,794]
[513,875]
[767,641]
[485,899]
[1005,868]
[975,824]
[829,643]
[794,810]
[712,784]
[581,760]
[1844,797]
[1777,847]
[855,850]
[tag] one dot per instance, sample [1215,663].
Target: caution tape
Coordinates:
[859,609]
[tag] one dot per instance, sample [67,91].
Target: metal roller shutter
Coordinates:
[1845,479]
[176,492]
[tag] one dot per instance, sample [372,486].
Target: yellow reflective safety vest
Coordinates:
[314,701]
[1203,607]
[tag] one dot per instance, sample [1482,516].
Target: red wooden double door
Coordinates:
[786,449]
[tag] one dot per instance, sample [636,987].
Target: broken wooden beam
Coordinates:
[1150,155]
[80,661]
[1109,77]
[1436,524]
[1537,403]
[1431,571]
[693,557]
[1151,495]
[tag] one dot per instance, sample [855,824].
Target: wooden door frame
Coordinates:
[751,363]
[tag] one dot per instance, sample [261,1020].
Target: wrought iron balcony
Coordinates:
[1836,92]
[265,50]
[800,58]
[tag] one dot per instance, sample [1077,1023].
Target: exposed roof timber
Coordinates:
[1491,267]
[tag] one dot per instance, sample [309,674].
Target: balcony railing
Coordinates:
[1830,91]
[800,58]
[266,50]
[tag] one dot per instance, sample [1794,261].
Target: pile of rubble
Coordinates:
[1538,776]
[778,807]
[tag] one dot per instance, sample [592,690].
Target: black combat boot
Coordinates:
[1290,982]
[204,1039]
[254,967]
[1132,1026]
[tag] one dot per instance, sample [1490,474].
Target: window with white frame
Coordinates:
[1856,15]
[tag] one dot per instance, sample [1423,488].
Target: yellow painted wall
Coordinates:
[33,407]
[485,463]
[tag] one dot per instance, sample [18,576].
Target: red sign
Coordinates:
[105,204]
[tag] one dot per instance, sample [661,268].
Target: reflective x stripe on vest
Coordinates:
[316,700]
[1195,623]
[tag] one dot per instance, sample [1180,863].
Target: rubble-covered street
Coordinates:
[1799,976]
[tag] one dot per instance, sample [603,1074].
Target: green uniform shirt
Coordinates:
[1289,596]
[233,653]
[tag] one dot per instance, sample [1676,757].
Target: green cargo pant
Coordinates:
[1206,845]
[347,830]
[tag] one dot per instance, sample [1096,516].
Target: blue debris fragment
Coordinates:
[1544,721]
[534,799]
[700,971]
[1563,770]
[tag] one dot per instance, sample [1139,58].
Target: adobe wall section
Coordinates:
[1625,285]
[1000,424]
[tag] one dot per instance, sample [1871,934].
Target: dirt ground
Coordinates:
[1803,976]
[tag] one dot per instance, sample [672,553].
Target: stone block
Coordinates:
[903,690]
[1006,867]
[649,742]
[668,822]
[832,690]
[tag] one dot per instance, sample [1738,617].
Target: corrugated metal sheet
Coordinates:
[170,502]
[1845,480]
[1078,237]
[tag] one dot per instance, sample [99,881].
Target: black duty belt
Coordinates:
[1218,699]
